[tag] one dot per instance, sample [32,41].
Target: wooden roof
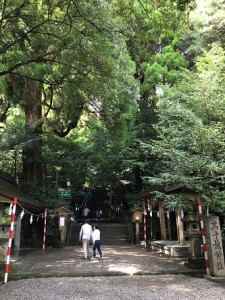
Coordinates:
[9,190]
[63,210]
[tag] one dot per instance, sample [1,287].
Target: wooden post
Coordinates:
[169,225]
[45,230]
[162,221]
[17,241]
[180,226]
[10,240]
[149,208]
[145,222]
[203,234]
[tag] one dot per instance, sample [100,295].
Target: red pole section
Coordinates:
[145,224]
[11,237]
[45,228]
[203,233]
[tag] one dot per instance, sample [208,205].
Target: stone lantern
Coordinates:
[64,214]
[137,217]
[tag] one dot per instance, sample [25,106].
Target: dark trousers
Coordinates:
[97,245]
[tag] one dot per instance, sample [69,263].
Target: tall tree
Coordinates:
[153,29]
[190,148]
[59,60]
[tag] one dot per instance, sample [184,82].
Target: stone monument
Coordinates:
[216,255]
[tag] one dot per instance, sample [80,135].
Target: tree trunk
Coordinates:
[32,164]
[162,222]
[169,226]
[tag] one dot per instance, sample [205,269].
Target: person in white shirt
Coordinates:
[85,236]
[96,238]
[86,211]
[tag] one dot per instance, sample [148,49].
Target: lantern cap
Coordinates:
[137,215]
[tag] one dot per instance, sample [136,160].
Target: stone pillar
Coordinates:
[62,228]
[137,218]
[216,256]
[137,232]
[180,226]
[162,221]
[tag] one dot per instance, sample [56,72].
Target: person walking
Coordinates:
[85,236]
[86,212]
[96,238]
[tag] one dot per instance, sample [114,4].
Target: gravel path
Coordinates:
[164,287]
[127,260]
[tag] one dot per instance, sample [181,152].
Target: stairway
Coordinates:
[111,233]
[114,233]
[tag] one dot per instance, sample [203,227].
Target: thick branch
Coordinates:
[38,59]
[50,106]
[64,132]
[3,115]
[22,37]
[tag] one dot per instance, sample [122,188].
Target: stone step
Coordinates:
[111,233]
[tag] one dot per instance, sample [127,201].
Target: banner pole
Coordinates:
[45,229]
[11,237]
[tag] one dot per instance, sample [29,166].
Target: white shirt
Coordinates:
[95,235]
[86,212]
[85,232]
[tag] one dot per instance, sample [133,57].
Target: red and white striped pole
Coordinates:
[11,237]
[145,224]
[45,229]
[203,233]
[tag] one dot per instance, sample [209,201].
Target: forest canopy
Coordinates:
[99,92]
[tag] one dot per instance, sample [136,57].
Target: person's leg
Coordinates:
[98,246]
[85,245]
[88,251]
[94,250]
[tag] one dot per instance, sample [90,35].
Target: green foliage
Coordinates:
[76,53]
[208,17]
[191,128]
[12,133]
[167,67]
[152,31]
[120,86]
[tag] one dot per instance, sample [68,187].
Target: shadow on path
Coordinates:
[117,260]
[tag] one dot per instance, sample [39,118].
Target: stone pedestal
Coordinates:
[171,248]
[180,226]
[196,243]
[196,259]
[137,232]
[62,229]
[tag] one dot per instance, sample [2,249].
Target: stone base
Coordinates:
[171,248]
[196,263]
[219,279]
[2,254]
